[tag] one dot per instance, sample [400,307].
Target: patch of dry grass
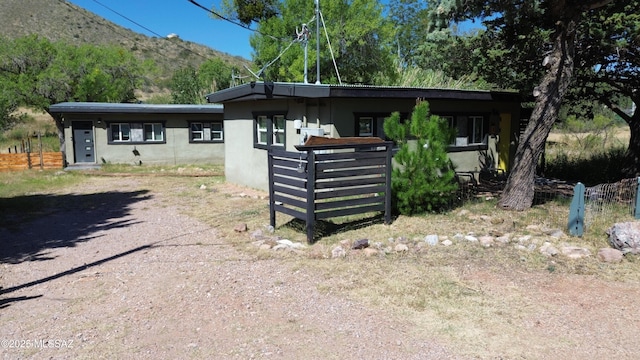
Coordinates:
[472,296]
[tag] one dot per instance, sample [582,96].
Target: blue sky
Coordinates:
[159,18]
[162,17]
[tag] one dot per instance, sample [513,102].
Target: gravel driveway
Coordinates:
[118,273]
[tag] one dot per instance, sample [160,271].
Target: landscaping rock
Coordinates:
[547,249]
[471,238]
[504,239]
[240,228]
[401,248]
[360,244]
[575,252]
[431,239]
[369,252]
[486,241]
[625,237]
[610,255]
[338,252]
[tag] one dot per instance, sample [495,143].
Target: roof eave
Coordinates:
[120,108]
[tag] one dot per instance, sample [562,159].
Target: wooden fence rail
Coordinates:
[24,161]
[317,184]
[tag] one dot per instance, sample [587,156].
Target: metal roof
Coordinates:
[129,108]
[278,90]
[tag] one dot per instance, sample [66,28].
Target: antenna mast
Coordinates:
[317,41]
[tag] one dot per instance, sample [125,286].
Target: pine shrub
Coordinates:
[423,178]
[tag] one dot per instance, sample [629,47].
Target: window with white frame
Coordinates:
[270,130]
[470,130]
[477,131]
[153,132]
[136,132]
[120,132]
[212,131]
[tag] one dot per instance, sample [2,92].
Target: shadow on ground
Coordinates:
[32,224]
[325,228]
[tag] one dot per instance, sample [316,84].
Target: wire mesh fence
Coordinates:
[604,202]
[589,208]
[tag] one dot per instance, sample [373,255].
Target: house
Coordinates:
[141,133]
[260,115]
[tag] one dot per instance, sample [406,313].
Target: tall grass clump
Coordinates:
[590,168]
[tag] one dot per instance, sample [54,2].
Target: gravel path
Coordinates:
[121,274]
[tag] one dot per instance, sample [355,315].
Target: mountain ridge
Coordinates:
[60,20]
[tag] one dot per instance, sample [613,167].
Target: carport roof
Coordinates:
[278,90]
[131,108]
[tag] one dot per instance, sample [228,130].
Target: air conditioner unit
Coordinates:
[305,133]
[462,141]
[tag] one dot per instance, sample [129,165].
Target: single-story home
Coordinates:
[98,133]
[260,115]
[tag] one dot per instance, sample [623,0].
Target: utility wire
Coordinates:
[330,49]
[259,74]
[231,21]
[124,17]
[107,23]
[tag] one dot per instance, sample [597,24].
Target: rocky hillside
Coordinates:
[60,20]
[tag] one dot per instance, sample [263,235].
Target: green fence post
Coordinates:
[576,211]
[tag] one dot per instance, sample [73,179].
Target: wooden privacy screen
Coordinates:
[24,161]
[330,180]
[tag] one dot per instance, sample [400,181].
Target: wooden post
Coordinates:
[311,186]
[272,205]
[636,210]
[387,190]
[576,211]
[40,150]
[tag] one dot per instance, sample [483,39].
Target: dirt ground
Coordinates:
[121,273]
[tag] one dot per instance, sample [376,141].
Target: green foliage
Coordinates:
[185,87]
[424,180]
[190,85]
[41,73]
[360,38]
[411,23]
[248,11]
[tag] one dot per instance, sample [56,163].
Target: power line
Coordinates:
[231,21]
[108,24]
[146,28]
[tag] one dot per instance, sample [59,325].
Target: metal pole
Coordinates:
[576,211]
[317,41]
[305,33]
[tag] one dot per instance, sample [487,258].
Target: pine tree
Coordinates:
[423,179]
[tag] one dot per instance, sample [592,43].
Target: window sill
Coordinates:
[136,142]
[474,147]
[206,142]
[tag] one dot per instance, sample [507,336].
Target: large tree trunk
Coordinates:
[519,191]
[631,166]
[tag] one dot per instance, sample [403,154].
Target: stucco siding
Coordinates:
[174,150]
[244,165]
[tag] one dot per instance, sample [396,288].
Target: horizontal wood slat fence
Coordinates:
[327,181]
[27,160]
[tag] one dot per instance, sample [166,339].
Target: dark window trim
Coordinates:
[486,116]
[269,115]
[214,141]
[110,141]
[375,116]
